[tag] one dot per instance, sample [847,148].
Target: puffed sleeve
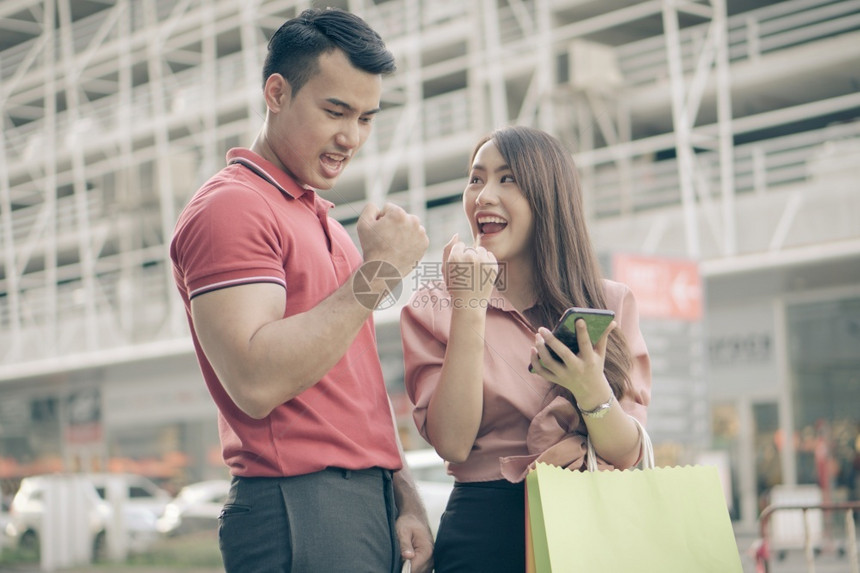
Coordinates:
[424,335]
[620,299]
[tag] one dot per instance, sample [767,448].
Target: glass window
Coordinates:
[823,343]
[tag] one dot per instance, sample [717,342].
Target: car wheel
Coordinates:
[100,547]
[29,546]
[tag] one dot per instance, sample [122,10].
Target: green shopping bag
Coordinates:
[666,520]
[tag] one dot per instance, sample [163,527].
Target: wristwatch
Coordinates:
[600,410]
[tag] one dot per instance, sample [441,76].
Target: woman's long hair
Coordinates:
[566,269]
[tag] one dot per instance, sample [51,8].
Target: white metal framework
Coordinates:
[115,111]
[726,131]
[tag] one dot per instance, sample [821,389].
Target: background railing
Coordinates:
[759,167]
[751,35]
[812,542]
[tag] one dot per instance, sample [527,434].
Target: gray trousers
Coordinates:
[327,522]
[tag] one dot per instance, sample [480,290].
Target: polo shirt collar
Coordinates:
[499,301]
[267,170]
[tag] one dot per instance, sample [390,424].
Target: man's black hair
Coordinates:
[294,49]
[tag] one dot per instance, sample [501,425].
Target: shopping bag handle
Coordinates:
[647,450]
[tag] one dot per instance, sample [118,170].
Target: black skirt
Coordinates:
[483,529]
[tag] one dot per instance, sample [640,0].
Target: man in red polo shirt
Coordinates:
[287,350]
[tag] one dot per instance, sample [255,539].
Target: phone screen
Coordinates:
[596,319]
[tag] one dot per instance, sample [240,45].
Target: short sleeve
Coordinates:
[621,299]
[227,237]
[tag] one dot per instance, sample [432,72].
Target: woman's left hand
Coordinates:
[581,373]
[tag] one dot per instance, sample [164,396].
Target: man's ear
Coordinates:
[276,92]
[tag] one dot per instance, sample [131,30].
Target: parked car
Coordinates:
[144,502]
[433,482]
[4,521]
[195,508]
[141,492]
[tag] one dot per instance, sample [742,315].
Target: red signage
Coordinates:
[664,288]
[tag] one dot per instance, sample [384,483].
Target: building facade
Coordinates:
[719,148]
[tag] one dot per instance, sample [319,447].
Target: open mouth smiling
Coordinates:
[333,163]
[489,224]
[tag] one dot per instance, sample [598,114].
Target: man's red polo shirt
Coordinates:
[252,223]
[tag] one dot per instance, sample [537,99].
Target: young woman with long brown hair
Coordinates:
[487,393]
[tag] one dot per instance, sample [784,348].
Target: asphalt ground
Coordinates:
[829,560]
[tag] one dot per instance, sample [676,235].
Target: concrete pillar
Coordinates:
[66,535]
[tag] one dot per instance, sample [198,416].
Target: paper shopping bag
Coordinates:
[666,520]
[530,550]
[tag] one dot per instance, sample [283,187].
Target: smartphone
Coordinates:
[596,319]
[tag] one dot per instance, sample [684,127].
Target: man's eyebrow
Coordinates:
[342,104]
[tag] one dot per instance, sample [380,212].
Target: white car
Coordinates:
[84,498]
[4,520]
[433,482]
[195,508]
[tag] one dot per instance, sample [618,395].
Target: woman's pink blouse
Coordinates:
[513,397]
